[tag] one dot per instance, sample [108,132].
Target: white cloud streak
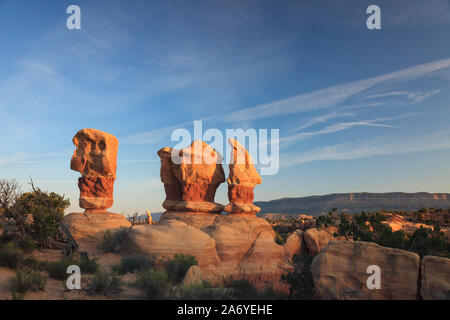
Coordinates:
[332,96]
[371,147]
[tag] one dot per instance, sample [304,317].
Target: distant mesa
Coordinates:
[356,202]
[95,157]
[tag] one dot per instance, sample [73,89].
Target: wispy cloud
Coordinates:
[386,145]
[332,96]
[333,129]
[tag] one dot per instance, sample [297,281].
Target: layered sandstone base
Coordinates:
[242,199]
[88,229]
[193,206]
[235,245]
[96,193]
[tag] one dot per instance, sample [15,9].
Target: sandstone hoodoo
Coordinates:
[95,158]
[242,180]
[191,177]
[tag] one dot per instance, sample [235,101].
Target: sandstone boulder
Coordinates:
[294,243]
[88,229]
[193,276]
[435,278]
[340,272]
[191,177]
[95,158]
[242,180]
[244,245]
[317,239]
[170,237]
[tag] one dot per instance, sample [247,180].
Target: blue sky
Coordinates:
[358,109]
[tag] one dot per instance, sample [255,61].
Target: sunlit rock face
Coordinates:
[95,157]
[191,177]
[242,180]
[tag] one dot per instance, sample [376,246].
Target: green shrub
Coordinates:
[279,239]
[47,210]
[105,283]
[199,291]
[113,242]
[10,256]
[26,245]
[131,264]
[58,269]
[33,264]
[88,265]
[241,289]
[27,280]
[17,296]
[154,283]
[300,280]
[179,266]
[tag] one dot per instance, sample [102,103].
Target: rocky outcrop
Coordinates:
[397,223]
[435,284]
[242,180]
[294,243]
[88,229]
[170,237]
[193,276]
[95,158]
[317,239]
[191,177]
[240,246]
[340,272]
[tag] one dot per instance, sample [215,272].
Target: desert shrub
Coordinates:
[324,220]
[301,280]
[104,282]
[27,245]
[33,264]
[17,296]
[58,269]
[10,256]
[32,217]
[241,289]
[25,280]
[200,291]
[279,239]
[47,211]
[6,238]
[429,242]
[154,283]
[88,265]
[113,242]
[179,266]
[131,264]
[423,241]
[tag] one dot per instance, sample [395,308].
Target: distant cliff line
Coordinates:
[356,202]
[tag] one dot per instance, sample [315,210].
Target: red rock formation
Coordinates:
[191,177]
[236,245]
[95,158]
[242,180]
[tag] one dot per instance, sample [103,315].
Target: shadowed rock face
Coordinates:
[191,177]
[242,180]
[95,157]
